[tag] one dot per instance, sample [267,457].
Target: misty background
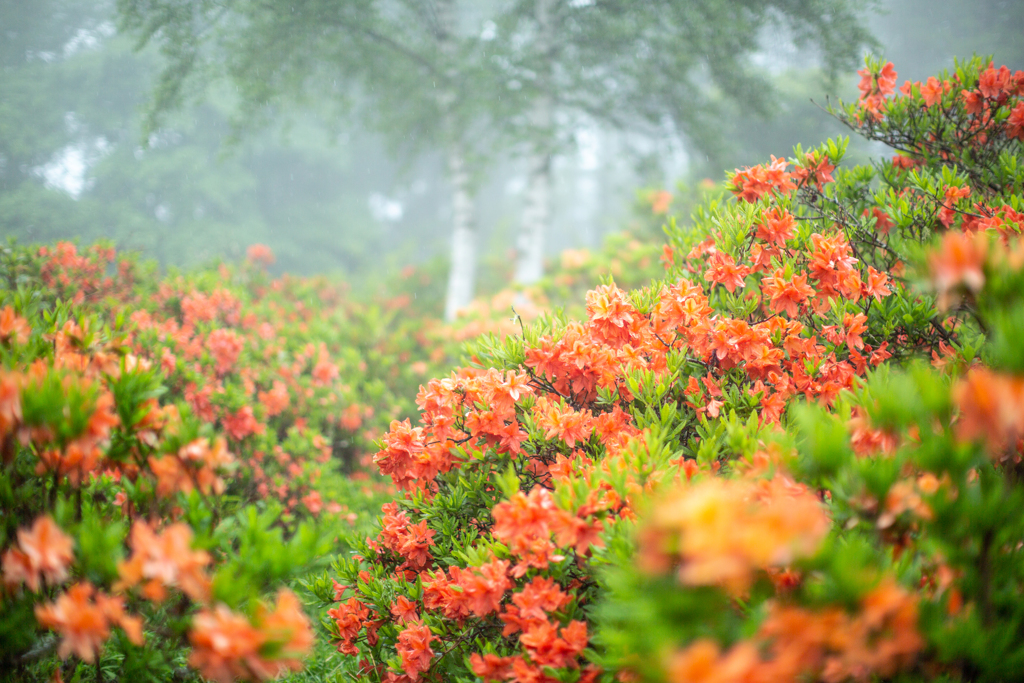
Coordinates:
[82,156]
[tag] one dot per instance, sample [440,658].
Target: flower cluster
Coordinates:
[759,556]
[871,539]
[162,438]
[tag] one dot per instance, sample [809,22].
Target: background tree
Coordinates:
[663,68]
[407,69]
[419,73]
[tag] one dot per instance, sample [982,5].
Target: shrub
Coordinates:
[173,450]
[523,478]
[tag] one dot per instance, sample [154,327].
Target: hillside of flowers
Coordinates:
[795,455]
[177,450]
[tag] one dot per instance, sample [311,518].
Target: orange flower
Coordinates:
[612,316]
[703,662]
[10,406]
[350,617]
[959,259]
[723,530]
[777,226]
[275,400]
[786,296]
[933,90]
[991,408]
[414,648]
[195,465]
[225,646]
[242,423]
[43,552]
[287,629]
[1015,123]
[84,622]
[165,560]
[660,202]
[225,347]
[723,270]
[13,327]
[260,254]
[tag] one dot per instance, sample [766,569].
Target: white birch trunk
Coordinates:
[537,211]
[462,272]
[536,217]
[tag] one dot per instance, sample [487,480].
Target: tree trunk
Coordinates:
[462,272]
[587,197]
[537,212]
[536,218]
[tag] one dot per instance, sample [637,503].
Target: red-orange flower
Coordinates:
[287,632]
[777,225]
[959,259]
[165,560]
[225,647]
[225,347]
[786,295]
[414,648]
[724,271]
[991,408]
[12,326]
[1015,123]
[260,254]
[83,617]
[43,552]
[725,529]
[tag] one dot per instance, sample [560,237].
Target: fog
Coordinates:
[363,143]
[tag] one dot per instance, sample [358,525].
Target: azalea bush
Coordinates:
[807,509]
[177,451]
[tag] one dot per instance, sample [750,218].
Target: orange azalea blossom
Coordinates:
[165,560]
[875,87]
[10,403]
[906,496]
[830,645]
[753,183]
[660,202]
[410,541]
[476,590]
[42,552]
[526,524]
[991,409]
[350,617]
[612,316]
[722,269]
[287,629]
[1015,123]
[276,399]
[78,458]
[815,169]
[959,260]
[720,531]
[195,465]
[786,295]
[414,649]
[933,90]
[777,226]
[225,647]
[260,254]
[703,662]
[13,328]
[225,346]
[83,617]
[241,423]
